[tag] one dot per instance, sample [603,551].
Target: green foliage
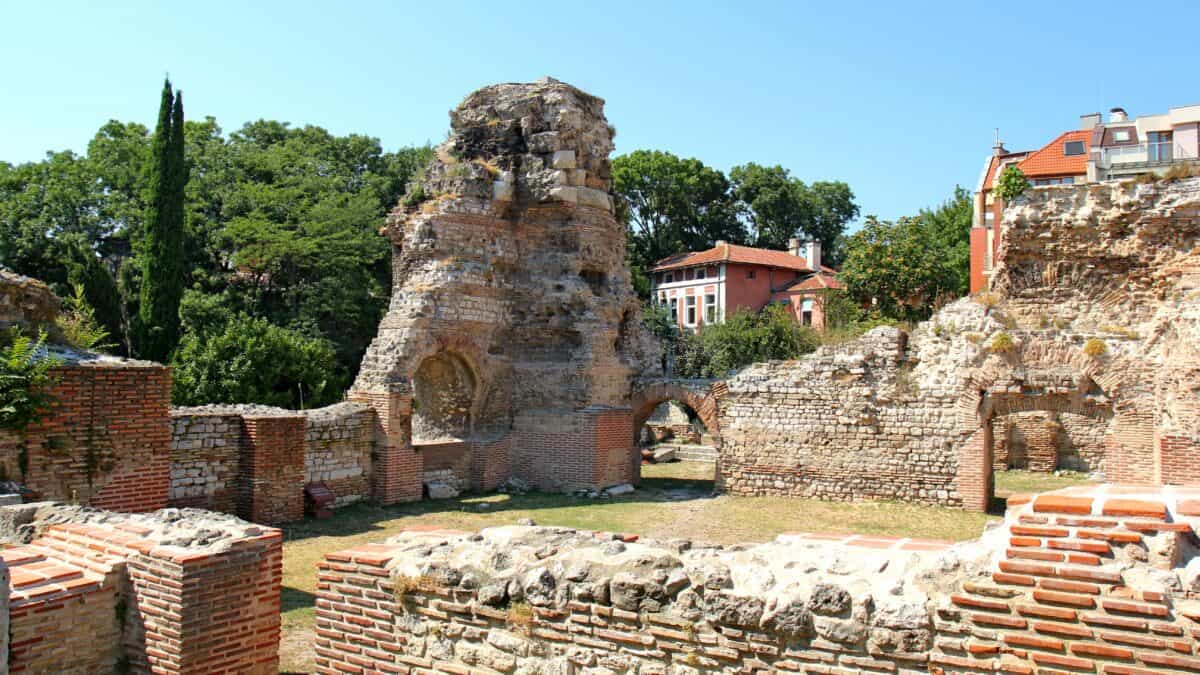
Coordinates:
[744,338]
[163,244]
[780,207]
[248,360]
[1012,183]
[95,286]
[907,268]
[279,223]
[79,326]
[24,379]
[673,205]
[658,320]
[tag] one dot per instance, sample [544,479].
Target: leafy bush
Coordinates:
[1012,183]
[744,338]
[249,360]
[24,379]
[1095,347]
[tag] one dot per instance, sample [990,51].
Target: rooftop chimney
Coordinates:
[794,247]
[720,242]
[1089,121]
[1117,115]
[998,147]
[812,255]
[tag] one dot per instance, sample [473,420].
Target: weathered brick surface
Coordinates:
[105,441]
[110,597]
[270,486]
[1131,604]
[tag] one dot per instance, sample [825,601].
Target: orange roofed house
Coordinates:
[1097,151]
[706,286]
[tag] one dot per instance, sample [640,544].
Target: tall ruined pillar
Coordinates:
[513,324]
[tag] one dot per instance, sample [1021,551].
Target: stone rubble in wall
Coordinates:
[187,528]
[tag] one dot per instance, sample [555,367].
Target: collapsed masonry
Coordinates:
[513,333]
[1079,580]
[1092,331]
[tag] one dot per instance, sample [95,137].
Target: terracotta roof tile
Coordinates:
[1050,160]
[732,253]
[816,282]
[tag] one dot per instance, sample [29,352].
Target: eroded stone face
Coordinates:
[509,276]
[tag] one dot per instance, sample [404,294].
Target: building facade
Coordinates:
[1097,151]
[704,287]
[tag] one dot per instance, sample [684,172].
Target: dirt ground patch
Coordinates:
[674,501]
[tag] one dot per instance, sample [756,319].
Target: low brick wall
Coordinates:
[1092,580]
[163,594]
[225,458]
[582,449]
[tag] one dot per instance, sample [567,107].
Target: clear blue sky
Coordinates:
[899,101]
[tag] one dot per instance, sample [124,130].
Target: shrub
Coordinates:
[1181,170]
[520,617]
[24,379]
[1095,347]
[1002,343]
[744,338]
[987,299]
[248,360]
[1012,184]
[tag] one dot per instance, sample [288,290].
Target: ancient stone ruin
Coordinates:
[1068,581]
[513,332]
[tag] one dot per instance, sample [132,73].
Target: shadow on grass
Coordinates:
[294,598]
[363,517]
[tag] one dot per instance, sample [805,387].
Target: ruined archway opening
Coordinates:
[676,448]
[1041,443]
[443,395]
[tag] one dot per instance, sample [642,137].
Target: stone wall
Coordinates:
[1085,357]
[337,452]
[105,439]
[205,451]
[27,304]
[849,422]
[1078,581]
[172,592]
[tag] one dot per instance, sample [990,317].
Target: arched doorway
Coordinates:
[677,423]
[444,393]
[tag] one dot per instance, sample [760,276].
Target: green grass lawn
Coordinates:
[674,501]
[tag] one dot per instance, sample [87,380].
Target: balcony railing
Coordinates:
[1139,153]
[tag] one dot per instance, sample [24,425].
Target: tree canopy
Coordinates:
[673,205]
[280,223]
[908,268]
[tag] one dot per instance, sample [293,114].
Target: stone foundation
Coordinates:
[1098,580]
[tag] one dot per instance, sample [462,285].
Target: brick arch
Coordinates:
[998,388]
[699,397]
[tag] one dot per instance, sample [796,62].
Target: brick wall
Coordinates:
[396,469]
[109,597]
[1071,592]
[106,439]
[583,449]
[490,465]
[270,485]
[1082,581]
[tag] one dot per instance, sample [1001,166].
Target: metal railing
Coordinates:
[1139,153]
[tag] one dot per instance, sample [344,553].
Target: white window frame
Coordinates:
[673,303]
[689,310]
[710,308]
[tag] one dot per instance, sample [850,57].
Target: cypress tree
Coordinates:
[162,249]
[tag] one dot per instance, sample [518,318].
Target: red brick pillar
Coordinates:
[974,478]
[271,469]
[396,468]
